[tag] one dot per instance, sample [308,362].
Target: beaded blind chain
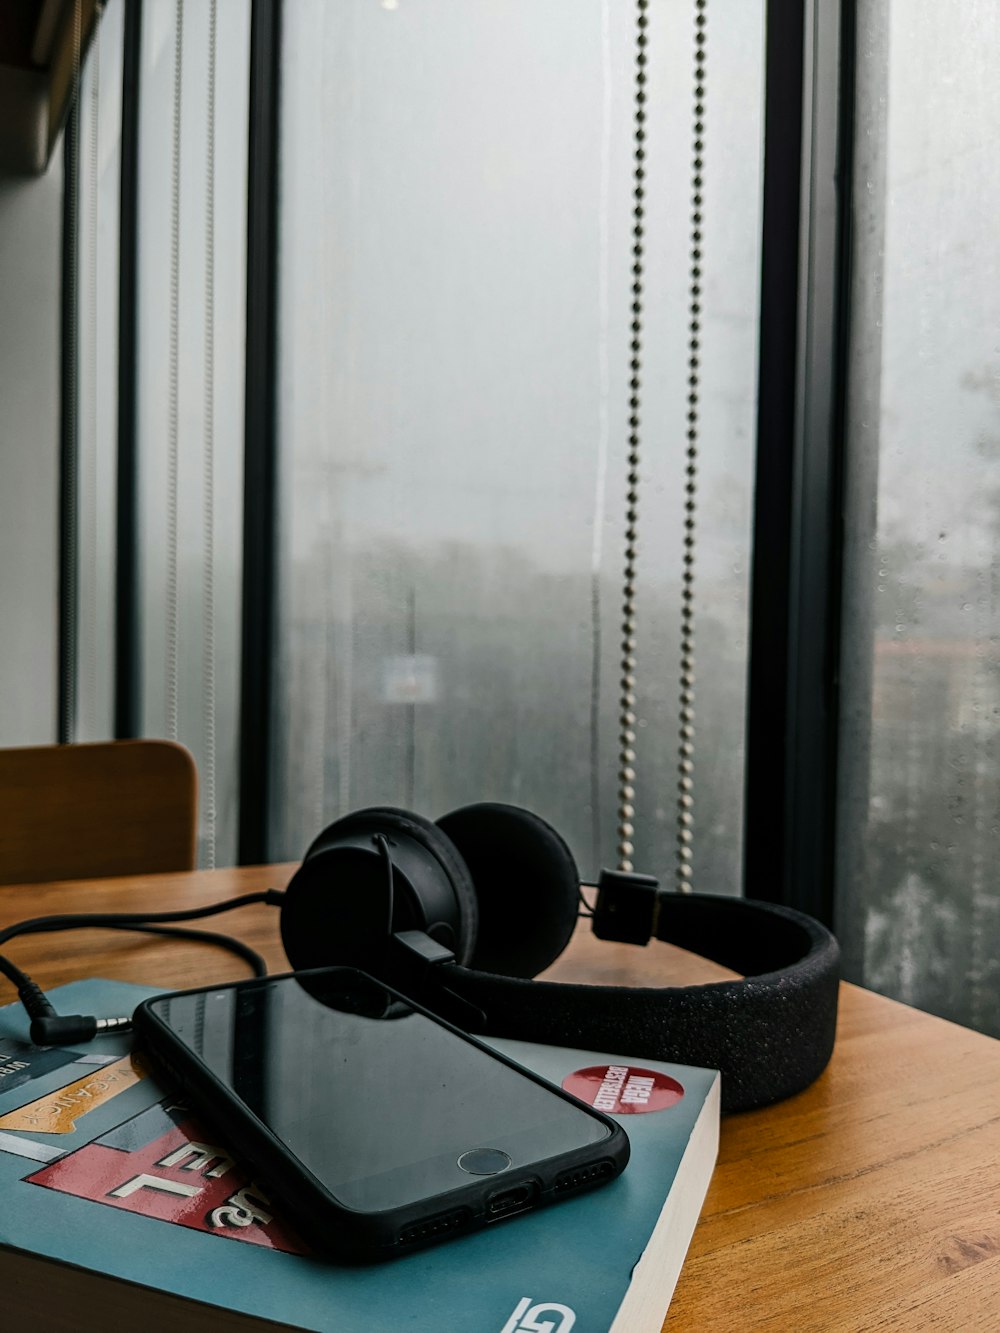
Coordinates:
[627,695]
[685,782]
[626,698]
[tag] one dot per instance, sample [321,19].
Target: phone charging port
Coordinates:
[507,1202]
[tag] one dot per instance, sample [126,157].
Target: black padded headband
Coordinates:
[771,1033]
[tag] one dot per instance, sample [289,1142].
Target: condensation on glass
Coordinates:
[454,326]
[191,331]
[919,907]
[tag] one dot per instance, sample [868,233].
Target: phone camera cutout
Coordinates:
[484,1161]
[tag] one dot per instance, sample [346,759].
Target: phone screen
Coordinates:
[382,1104]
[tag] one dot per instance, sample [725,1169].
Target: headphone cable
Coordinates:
[48,1027]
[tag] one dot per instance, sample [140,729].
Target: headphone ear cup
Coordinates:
[526,884]
[429,836]
[335,904]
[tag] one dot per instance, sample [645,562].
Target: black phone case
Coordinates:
[323,1221]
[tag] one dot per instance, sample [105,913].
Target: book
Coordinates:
[118,1211]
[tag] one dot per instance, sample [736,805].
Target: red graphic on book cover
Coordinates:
[624,1089]
[160,1164]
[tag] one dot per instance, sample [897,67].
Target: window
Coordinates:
[454,310]
[920,908]
[454,328]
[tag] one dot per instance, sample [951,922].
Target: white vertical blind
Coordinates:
[192,277]
[99,155]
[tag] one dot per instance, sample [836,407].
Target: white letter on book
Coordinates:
[154,1183]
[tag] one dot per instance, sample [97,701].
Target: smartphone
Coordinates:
[376,1127]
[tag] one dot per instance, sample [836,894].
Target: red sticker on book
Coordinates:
[624,1089]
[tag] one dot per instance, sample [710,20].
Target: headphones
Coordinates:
[461,914]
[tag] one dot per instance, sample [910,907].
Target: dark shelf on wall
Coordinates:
[42,47]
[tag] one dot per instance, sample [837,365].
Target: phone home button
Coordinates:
[484,1161]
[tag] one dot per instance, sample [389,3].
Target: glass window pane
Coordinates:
[454,330]
[919,906]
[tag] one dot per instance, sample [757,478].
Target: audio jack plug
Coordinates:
[50,1029]
[58,1029]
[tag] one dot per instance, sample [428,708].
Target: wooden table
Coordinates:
[869,1202]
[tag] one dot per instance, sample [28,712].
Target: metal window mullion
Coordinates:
[260,466]
[795,600]
[861,407]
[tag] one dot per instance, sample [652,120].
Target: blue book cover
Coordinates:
[103,1170]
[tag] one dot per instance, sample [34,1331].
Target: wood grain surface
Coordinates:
[871,1201]
[102,808]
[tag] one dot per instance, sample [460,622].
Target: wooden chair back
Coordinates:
[91,811]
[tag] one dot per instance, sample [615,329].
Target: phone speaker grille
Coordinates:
[582,1176]
[432,1227]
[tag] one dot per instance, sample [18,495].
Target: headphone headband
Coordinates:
[770,1033]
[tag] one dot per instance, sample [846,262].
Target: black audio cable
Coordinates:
[48,1027]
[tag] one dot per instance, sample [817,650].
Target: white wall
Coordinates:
[30,281]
